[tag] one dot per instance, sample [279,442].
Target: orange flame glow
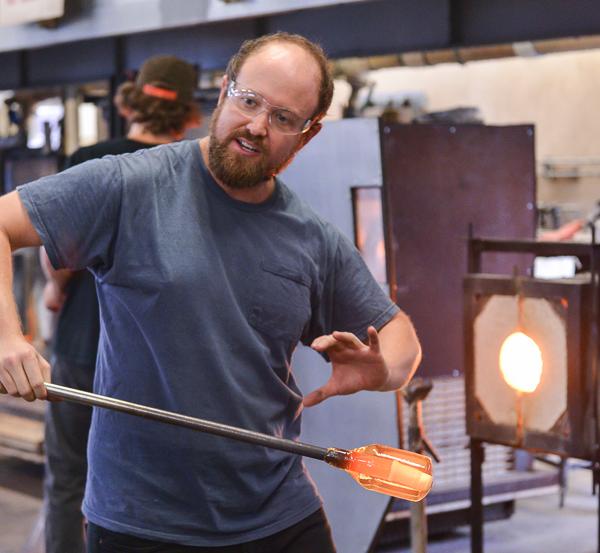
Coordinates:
[521,362]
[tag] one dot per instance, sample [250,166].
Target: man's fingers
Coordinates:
[320,394]
[33,371]
[323,343]
[339,340]
[348,339]
[23,372]
[373,339]
[23,387]
[314,398]
[8,384]
[14,367]
[45,367]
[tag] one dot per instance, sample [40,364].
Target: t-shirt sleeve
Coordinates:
[76,212]
[351,300]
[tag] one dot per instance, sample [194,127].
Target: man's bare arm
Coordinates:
[401,350]
[15,222]
[22,369]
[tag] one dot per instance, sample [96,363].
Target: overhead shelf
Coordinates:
[570,167]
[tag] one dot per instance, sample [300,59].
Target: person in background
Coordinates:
[158,107]
[209,272]
[564,232]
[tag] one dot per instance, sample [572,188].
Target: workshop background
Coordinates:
[453,122]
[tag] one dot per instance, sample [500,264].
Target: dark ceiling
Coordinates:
[346,30]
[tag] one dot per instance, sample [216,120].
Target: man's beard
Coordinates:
[235,171]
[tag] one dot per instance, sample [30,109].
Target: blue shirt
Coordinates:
[203,299]
[77,327]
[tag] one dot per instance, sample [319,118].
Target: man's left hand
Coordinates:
[355,366]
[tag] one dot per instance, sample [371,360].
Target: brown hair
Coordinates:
[156,115]
[250,47]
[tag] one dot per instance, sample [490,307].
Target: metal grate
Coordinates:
[445,424]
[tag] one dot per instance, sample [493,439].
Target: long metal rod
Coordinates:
[86,398]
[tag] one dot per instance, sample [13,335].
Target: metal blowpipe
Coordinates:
[378,468]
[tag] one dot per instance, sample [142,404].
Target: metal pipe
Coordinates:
[87,398]
[476,511]
[594,339]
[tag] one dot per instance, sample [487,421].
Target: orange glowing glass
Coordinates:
[386,470]
[521,362]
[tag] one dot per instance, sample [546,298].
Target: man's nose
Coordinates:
[259,124]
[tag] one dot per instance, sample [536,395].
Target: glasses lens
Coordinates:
[248,102]
[286,122]
[252,103]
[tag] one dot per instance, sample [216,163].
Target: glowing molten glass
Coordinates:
[387,470]
[521,362]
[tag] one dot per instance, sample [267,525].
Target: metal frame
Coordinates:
[568,439]
[591,252]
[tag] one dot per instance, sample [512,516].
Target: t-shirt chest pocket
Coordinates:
[281,304]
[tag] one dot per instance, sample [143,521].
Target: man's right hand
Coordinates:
[23,370]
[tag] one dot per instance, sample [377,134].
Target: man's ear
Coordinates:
[224,85]
[311,133]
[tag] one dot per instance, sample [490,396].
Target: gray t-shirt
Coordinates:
[202,301]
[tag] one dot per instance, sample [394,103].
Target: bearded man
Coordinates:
[209,272]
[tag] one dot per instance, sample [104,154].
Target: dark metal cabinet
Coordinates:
[438,179]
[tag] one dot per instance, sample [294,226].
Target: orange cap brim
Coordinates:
[158,92]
